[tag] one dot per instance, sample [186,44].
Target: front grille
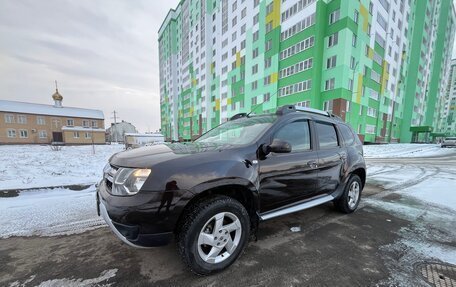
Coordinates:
[109,177]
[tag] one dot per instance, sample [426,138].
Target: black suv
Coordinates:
[212,193]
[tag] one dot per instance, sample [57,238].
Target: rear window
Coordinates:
[327,136]
[347,134]
[450,139]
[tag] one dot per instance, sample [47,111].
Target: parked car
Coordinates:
[211,194]
[449,142]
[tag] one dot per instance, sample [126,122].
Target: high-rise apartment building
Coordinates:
[446,123]
[219,58]
[431,36]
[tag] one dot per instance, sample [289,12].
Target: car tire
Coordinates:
[214,233]
[351,197]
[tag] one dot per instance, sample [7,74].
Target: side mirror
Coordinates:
[280,146]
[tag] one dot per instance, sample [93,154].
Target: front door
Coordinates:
[57,137]
[288,177]
[331,158]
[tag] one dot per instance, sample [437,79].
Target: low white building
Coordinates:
[116,132]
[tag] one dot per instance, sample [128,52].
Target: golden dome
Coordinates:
[56,96]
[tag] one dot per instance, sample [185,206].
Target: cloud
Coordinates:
[104,54]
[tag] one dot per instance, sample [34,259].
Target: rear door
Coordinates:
[331,157]
[288,177]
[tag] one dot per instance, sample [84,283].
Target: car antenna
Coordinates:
[262,103]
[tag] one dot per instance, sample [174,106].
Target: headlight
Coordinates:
[128,181]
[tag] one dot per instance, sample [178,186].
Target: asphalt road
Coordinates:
[387,242]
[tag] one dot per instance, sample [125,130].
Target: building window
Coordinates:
[267,62]
[350,84]
[329,84]
[256,18]
[295,88]
[255,69]
[354,40]
[334,16]
[266,97]
[356,16]
[256,35]
[269,8]
[21,119]
[328,106]
[268,45]
[269,27]
[305,104]
[255,53]
[40,120]
[70,123]
[331,62]
[371,112]
[94,124]
[42,134]
[243,13]
[88,135]
[254,85]
[352,63]
[9,119]
[11,133]
[76,135]
[85,123]
[23,134]
[333,39]
[297,48]
[370,129]
[254,100]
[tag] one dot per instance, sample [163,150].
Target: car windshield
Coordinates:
[238,132]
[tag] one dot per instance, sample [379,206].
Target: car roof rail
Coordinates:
[238,116]
[291,108]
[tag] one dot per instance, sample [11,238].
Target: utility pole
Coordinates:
[114,128]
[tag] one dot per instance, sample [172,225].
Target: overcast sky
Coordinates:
[102,53]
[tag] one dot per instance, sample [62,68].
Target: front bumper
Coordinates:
[104,214]
[135,221]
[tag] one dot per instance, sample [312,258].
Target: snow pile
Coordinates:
[33,166]
[406,150]
[49,212]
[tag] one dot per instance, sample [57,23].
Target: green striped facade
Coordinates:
[352,58]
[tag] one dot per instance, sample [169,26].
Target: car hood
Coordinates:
[148,156]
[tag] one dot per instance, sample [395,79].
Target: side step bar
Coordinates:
[296,207]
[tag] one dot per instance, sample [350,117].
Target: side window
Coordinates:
[296,134]
[327,135]
[347,134]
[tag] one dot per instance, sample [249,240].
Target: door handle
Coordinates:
[312,164]
[343,156]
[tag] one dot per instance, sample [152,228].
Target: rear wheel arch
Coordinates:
[361,172]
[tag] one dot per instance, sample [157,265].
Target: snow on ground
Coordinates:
[49,212]
[102,280]
[439,190]
[34,166]
[406,150]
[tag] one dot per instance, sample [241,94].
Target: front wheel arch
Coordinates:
[247,195]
